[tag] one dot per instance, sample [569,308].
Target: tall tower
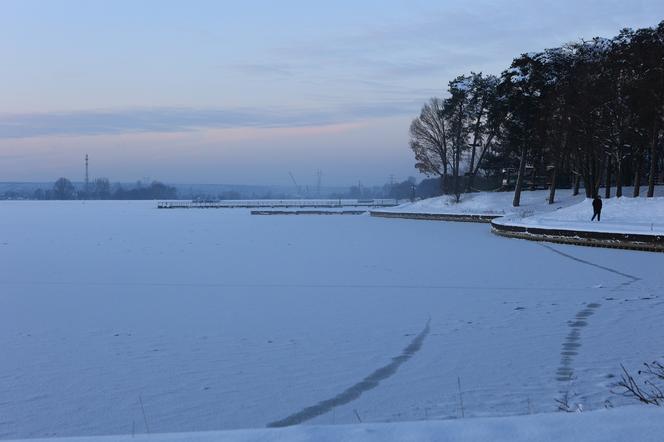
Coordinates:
[319,176]
[87,177]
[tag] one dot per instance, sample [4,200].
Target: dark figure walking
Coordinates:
[597,208]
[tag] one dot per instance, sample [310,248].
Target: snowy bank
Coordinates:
[619,215]
[627,223]
[533,202]
[488,203]
[640,423]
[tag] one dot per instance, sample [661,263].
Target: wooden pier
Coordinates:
[307,212]
[258,204]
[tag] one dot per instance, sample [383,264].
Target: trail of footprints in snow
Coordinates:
[571,345]
[572,342]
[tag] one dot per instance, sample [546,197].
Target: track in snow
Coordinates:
[570,348]
[608,269]
[354,392]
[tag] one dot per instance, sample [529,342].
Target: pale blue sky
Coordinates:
[243,92]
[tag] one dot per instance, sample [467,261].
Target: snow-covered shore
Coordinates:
[619,215]
[642,423]
[487,203]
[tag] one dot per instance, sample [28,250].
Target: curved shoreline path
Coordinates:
[503,226]
[354,392]
[633,223]
[589,238]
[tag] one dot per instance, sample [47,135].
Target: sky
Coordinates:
[218,91]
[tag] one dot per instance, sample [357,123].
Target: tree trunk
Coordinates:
[457,188]
[637,176]
[560,160]
[457,154]
[592,176]
[476,138]
[472,163]
[577,184]
[653,163]
[552,187]
[589,177]
[588,187]
[619,174]
[598,176]
[519,178]
[588,182]
[474,171]
[607,183]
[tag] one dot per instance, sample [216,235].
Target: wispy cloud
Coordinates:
[453,38]
[263,68]
[169,120]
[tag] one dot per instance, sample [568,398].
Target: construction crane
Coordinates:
[87,178]
[297,186]
[319,176]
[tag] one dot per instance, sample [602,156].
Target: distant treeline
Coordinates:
[590,112]
[101,189]
[408,189]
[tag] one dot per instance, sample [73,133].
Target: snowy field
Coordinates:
[215,319]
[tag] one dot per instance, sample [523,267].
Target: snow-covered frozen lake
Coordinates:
[216,319]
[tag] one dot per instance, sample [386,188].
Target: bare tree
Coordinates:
[63,189]
[429,141]
[102,188]
[647,390]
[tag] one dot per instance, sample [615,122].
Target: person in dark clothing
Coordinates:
[597,208]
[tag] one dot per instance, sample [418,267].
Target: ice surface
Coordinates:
[217,319]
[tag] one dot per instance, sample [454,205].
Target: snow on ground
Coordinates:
[216,319]
[497,203]
[488,203]
[627,423]
[624,215]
